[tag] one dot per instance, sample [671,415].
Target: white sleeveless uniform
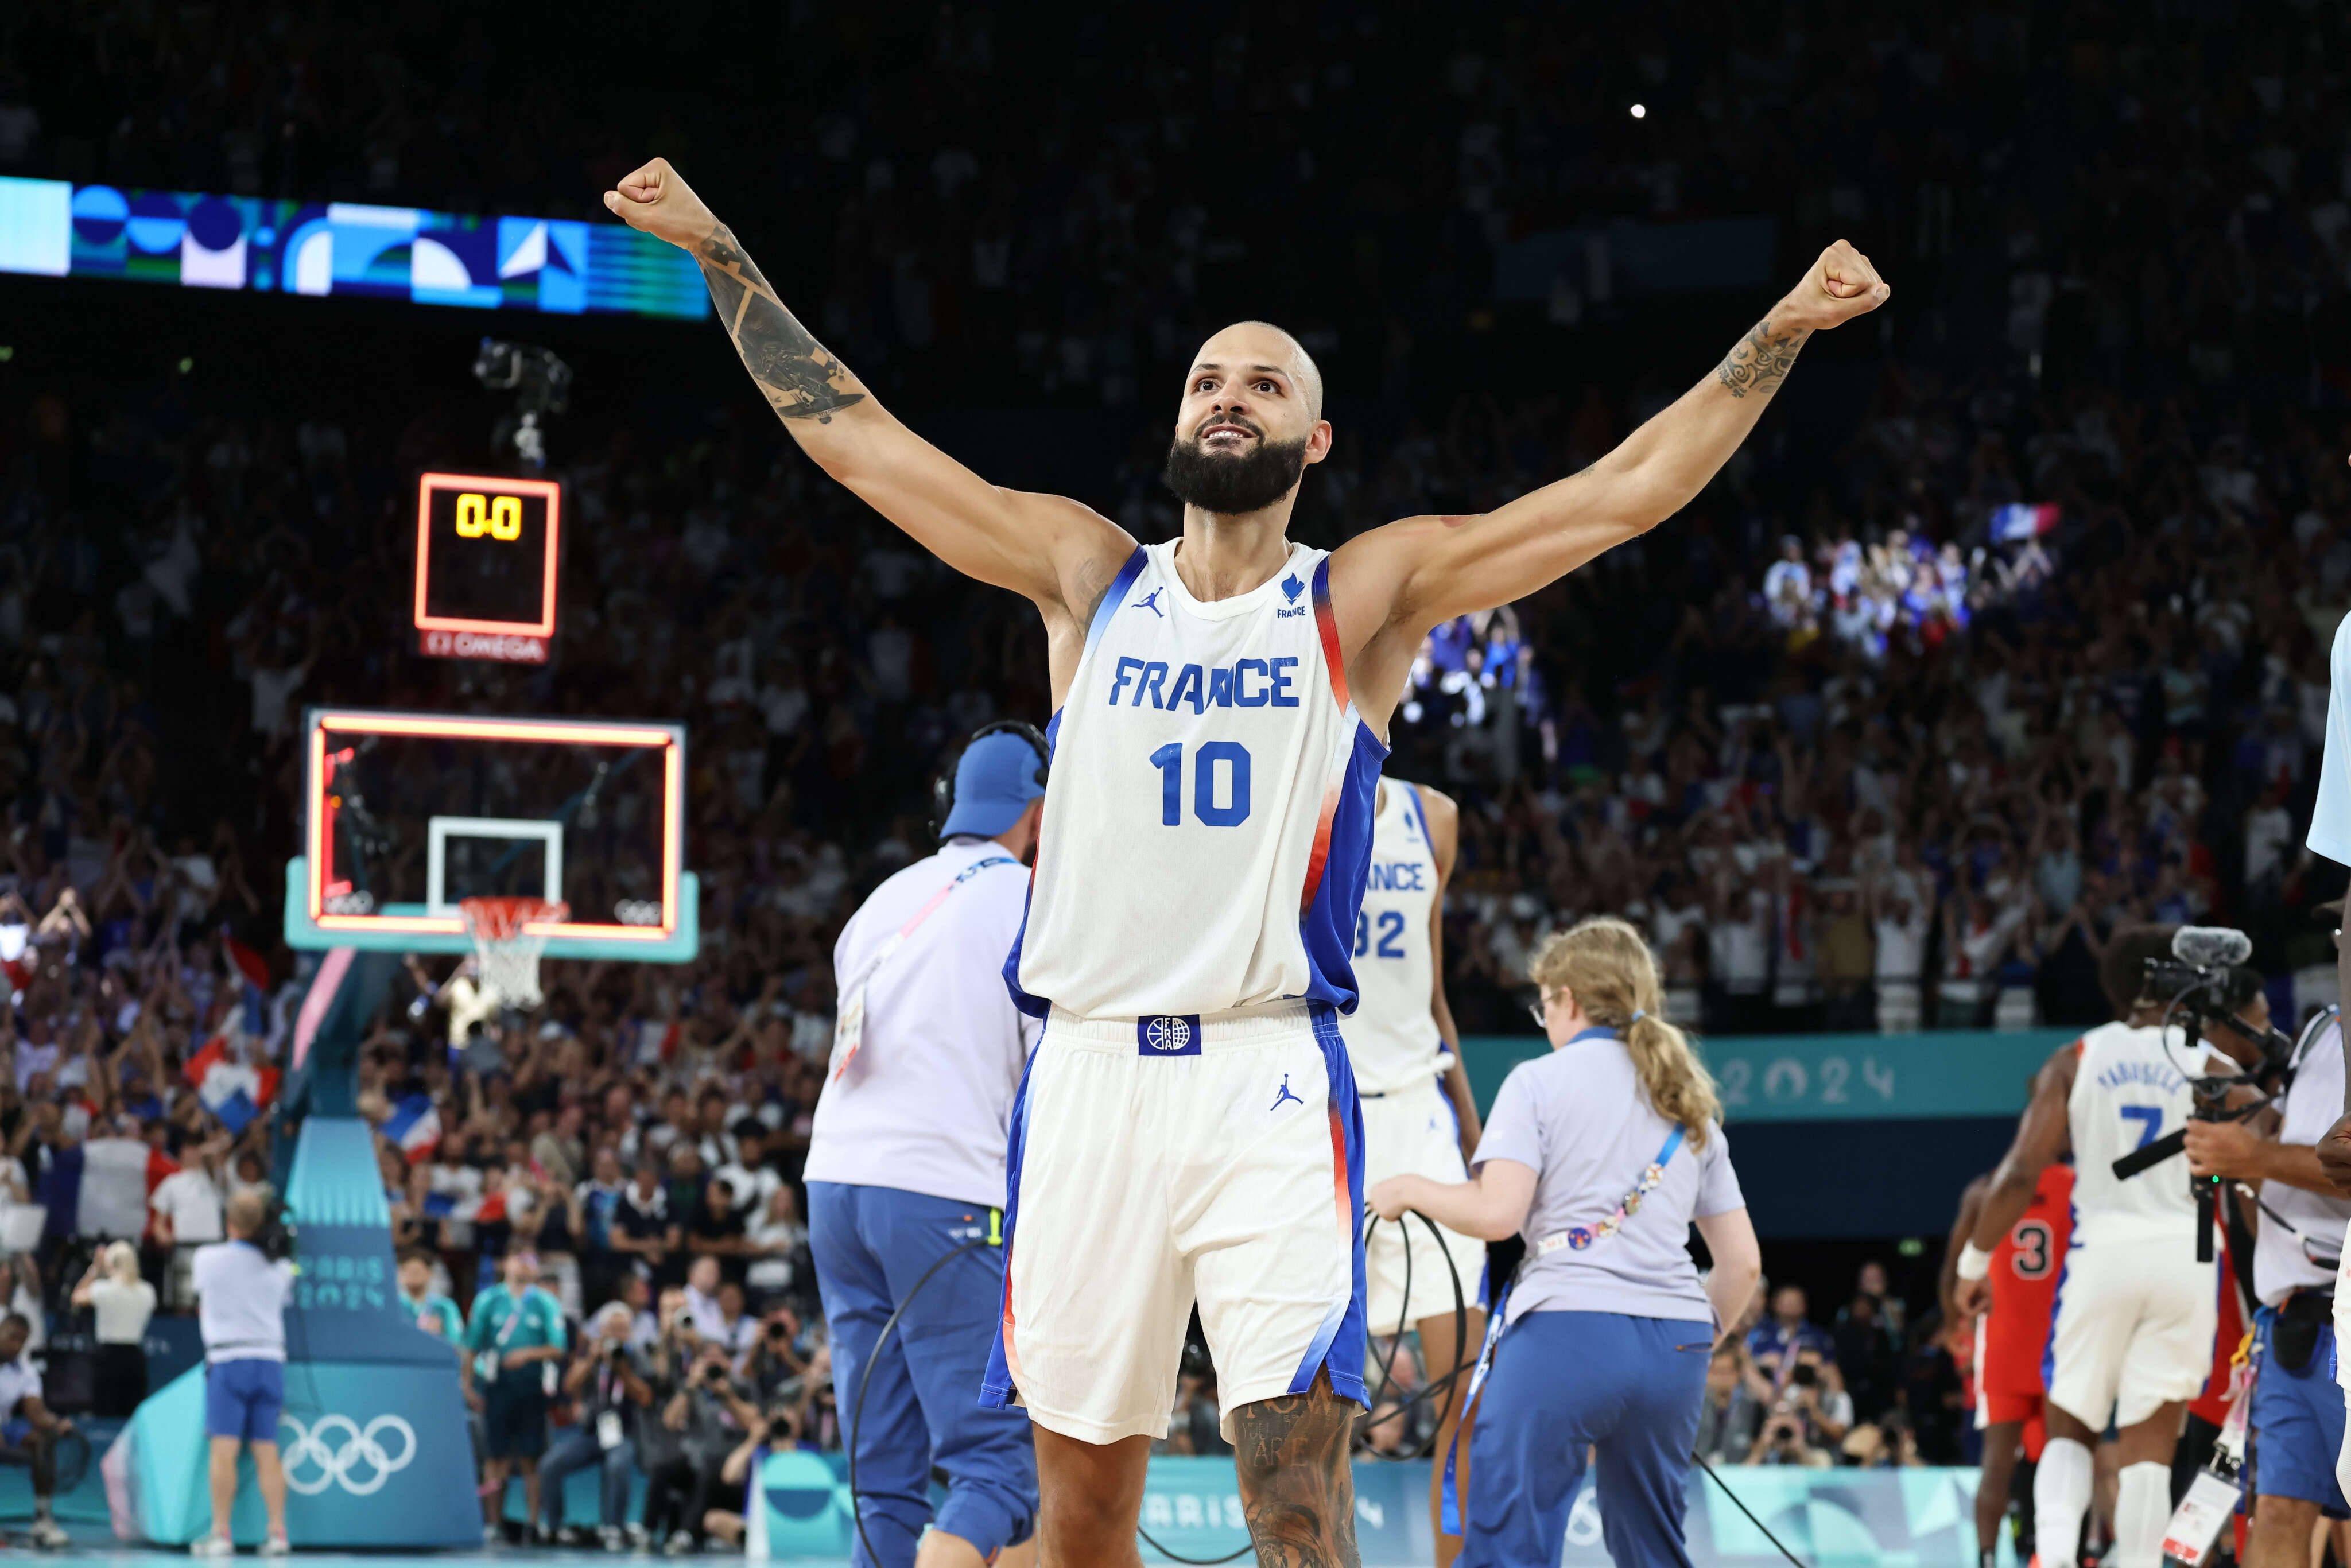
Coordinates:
[2135,1315]
[1410,1127]
[1188,1129]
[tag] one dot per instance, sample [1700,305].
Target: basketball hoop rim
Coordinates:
[509,918]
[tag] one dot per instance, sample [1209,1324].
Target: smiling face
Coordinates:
[1250,421]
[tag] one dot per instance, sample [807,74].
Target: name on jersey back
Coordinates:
[2156,1074]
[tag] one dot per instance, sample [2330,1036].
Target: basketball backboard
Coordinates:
[406,814]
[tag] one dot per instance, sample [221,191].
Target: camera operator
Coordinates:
[701,1421]
[608,1385]
[241,1294]
[20,1402]
[2297,1413]
[2132,1338]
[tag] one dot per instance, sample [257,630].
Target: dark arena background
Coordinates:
[341,429]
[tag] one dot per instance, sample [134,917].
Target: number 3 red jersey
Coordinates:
[2024,1271]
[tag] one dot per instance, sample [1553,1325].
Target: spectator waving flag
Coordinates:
[2021,521]
[233,1090]
[254,972]
[415,1127]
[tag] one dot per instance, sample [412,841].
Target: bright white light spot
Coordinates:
[1640,111]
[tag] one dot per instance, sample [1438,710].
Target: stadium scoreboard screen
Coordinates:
[487,554]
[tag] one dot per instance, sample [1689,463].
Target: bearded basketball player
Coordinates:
[1188,1131]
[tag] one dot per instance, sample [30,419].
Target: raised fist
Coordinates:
[656,200]
[1841,286]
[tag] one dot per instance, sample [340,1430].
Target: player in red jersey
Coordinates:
[2012,1336]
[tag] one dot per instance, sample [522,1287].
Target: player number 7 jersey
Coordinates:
[1207,828]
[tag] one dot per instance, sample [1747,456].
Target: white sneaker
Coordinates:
[680,1543]
[493,1534]
[212,1546]
[612,1538]
[49,1536]
[276,1546]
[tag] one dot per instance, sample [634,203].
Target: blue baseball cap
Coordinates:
[999,776]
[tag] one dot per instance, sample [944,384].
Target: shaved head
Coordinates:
[1261,344]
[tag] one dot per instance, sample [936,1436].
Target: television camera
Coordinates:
[2207,989]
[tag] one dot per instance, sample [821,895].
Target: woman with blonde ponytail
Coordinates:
[1601,1155]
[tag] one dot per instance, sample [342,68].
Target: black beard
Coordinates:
[1230,487]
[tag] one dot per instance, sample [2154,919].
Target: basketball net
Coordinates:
[507,953]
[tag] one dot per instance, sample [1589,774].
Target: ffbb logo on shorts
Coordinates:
[1167,1034]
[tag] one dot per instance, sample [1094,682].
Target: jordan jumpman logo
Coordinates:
[1284,1094]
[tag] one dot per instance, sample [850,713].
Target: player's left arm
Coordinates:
[1391,584]
[1444,818]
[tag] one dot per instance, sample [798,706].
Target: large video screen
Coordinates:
[56,229]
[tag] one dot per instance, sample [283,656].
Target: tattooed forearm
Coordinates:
[1296,1482]
[801,379]
[1761,360]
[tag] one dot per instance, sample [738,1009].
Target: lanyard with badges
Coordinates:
[848,1021]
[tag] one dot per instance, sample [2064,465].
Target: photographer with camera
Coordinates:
[2298,1410]
[241,1292]
[609,1386]
[699,1424]
[2132,1338]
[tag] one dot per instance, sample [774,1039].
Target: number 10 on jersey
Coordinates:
[1210,782]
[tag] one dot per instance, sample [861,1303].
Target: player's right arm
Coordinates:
[1047,548]
[2042,1133]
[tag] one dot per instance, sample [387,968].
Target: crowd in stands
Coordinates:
[2023,639]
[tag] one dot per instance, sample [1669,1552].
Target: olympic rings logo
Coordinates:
[356,1461]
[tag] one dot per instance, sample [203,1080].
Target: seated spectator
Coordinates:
[29,1429]
[775,1241]
[645,1229]
[715,1231]
[702,1308]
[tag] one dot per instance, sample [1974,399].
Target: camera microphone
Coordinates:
[2210,947]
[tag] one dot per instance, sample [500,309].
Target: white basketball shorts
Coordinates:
[1162,1161]
[2132,1329]
[1414,1131]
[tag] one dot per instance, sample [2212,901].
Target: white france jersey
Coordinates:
[2128,1091]
[1208,822]
[1391,1040]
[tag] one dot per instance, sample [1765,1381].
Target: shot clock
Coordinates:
[487,553]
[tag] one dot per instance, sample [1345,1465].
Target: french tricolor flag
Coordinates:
[414,1126]
[2019,522]
[232,1089]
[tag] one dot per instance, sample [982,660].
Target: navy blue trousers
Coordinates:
[872,1245]
[1567,1382]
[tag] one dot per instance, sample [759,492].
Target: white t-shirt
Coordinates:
[241,1301]
[2282,1264]
[18,1378]
[122,1310]
[2330,817]
[927,1103]
[193,1203]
